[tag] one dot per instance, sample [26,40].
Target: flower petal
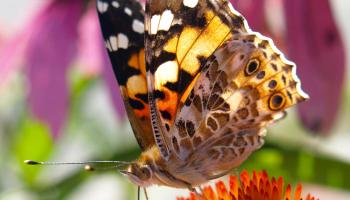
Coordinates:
[2,38]
[315,45]
[248,189]
[50,51]
[234,184]
[90,47]
[297,193]
[253,11]
[10,55]
[221,190]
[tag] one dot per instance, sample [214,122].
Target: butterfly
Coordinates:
[198,85]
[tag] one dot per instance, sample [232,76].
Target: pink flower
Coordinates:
[1,39]
[314,43]
[61,33]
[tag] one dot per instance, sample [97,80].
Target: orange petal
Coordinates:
[244,177]
[208,193]
[275,194]
[222,191]
[297,193]
[280,185]
[287,194]
[234,186]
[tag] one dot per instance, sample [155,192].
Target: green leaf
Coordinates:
[33,141]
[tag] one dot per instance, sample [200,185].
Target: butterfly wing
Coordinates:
[180,37]
[122,24]
[246,85]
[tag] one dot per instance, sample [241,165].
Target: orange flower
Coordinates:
[258,187]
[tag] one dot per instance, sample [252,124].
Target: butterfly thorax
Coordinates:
[152,169]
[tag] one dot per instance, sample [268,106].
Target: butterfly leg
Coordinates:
[145,191]
[138,192]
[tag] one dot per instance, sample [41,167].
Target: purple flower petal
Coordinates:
[90,47]
[2,38]
[253,11]
[260,20]
[315,45]
[10,55]
[50,51]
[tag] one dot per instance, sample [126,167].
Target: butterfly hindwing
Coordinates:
[246,85]
[180,37]
[122,23]
[242,85]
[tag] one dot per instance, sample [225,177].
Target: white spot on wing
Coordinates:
[233,98]
[154,24]
[115,4]
[138,26]
[102,7]
[166,20]
[128,11]
[166,72]
[123,41]
[190,3]
[113,43]
[108,46]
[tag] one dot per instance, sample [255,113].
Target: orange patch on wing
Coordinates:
[187,38]
[171,45]
[134,61]
[142,62]
[209,15]
[205,44]
[137,61]
[137,84]
[189,89]
[144,113]
[169,103]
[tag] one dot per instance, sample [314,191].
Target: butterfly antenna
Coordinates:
[88,165]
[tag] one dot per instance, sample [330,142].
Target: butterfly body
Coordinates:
[199,91]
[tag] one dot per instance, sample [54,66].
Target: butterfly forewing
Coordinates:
[122,24]
[180,37]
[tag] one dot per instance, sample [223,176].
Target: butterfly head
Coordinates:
[139,174]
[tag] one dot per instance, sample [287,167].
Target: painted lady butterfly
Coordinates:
[198,85]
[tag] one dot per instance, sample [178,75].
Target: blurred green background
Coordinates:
[93,130]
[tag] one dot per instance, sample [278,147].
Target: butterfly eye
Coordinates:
[252,67]
[146,172]
[276,101]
